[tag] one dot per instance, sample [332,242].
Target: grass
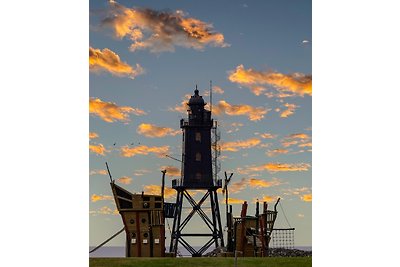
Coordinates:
[200,262]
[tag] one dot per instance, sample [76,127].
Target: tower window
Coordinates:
[198,156]
[198,176]
[198,136]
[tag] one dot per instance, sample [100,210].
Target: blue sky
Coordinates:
[262,40]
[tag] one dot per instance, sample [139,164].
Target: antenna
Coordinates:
[211,96]
[109,173]
[168,156]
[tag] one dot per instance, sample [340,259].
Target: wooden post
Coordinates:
[243,226]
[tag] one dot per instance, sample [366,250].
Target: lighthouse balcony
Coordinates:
[181,184]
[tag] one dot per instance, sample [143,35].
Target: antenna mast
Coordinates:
[211,96]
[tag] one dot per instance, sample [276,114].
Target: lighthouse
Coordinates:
[197,174]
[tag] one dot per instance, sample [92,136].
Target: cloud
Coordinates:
[267,135]
[156,190]
[107,60]
[151,130]
[298,136]
[253,183]
[289,111]
[172,171]
[110,112]
[93,135]
[183,106]
[305,42]
[216,90]
[100,172]
[237,186]
[297,191]
[98,149]
[106,210]
[300,215]
[234,127]
[237,145]
[160,31]
[257,90]
[266,198]
[259,183]
[276,152]
[124,180]
[307,198]
[233,201]
[140,172]
[236,124]
[297,83]
[96,198]
[296,139]
[159,151]
[306,144]
[281,167]
[253,113]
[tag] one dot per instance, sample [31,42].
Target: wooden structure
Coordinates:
[143,218]
[252,234]
[197,174]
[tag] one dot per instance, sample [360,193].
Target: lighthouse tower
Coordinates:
[197,174]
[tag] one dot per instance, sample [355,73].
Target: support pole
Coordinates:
[163,185]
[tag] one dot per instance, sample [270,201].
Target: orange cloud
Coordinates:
[151,130]
[237,145]
[160,31]
[215,89]
[252,182]
[237,186]
[96,198]
[183,106]
[159,151]
[172,171]
[257,90]
[125,180]
[297,191]
[140,172]
[107,60]
[305,144]
[297,83]
[98,149]
[268,136]
[276,152]
[218,90]
[101,172]
[156,190]
[253,113]
[307,198]
[281,167]
[299,136]
[106,210]
[93,135]
[258,183]
[233,201]
[266,199]
[110,112]
[289,111]
[296,139]
[235,127]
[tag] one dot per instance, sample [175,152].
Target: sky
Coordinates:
[145,59]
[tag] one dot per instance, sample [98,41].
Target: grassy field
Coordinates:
[200,262]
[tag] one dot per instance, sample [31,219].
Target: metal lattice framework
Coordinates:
[283,238]
[214,224]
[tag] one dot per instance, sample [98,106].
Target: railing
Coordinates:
[193,122]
